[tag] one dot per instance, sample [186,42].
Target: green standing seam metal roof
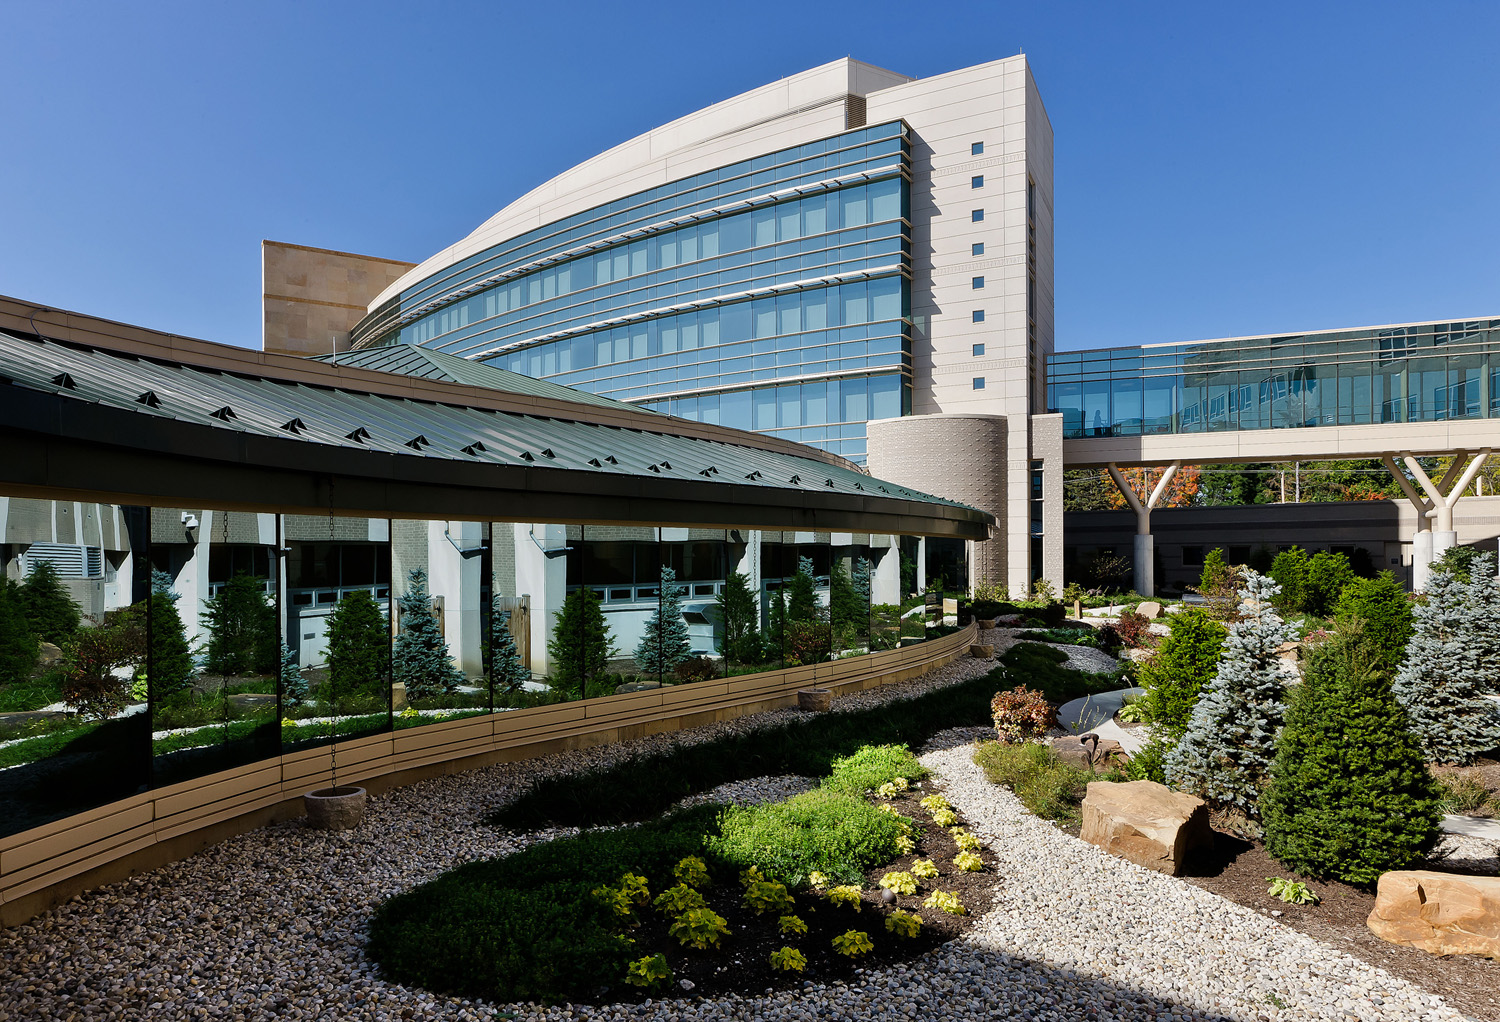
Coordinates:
[350,418]
[431,364]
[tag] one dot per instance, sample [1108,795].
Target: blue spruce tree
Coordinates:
[1225,754]
[1450,663]
[420,660]
[665,644]
[506,670]
[293,684]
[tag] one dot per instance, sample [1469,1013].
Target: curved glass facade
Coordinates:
[1422,373]
[770,294]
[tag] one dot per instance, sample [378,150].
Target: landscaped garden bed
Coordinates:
[870,868]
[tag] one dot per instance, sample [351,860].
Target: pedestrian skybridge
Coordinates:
[1386,393]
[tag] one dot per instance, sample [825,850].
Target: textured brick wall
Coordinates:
[961,457]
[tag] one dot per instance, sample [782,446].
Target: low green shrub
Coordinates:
[1064,636]
[1148,763]
[837,835]
[31,693]
[870,767]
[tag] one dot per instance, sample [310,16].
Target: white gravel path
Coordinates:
[1076,909]
[270,925]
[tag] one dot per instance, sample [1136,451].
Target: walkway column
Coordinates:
[1145,547]
[1428,546]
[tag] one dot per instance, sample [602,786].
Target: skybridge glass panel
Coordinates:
[1423,373]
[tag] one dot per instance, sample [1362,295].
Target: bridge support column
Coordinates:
[1435,532]
[1145,545]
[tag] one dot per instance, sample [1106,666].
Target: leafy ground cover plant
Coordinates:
[872,766]
[820,830]
[1291,891]
[788,959]
[853,943]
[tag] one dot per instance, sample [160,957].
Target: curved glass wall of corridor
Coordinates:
[770,294]
[1421,373]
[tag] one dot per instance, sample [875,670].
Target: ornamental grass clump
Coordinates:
[1021,715]
[1225,753]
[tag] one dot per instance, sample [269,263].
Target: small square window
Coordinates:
[979,315]
[977,215]
[978,283]
[977,181]
[977,248]
[976,148]
[979,349]
[979,383]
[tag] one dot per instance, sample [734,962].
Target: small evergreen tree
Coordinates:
[1350,796]
[293,684]
[861,580]
[1186,661]
[241,628]
[581,643]
[802,592]
[50,611]
[1458,561]
[17,643]
[359,647]
[507,673]
[1382,605]
[776,626]
[845,605]
[665,643]
[1289,572]
[1226,751]
[420,659]
[1219,584]
[1482,602]
[169,663]
[737,612]
[1327,575]
[1441,685]
[162,583]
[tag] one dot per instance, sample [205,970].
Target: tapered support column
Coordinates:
[1145,546]
[1436,512]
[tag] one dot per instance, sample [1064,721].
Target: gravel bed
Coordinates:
[1087,658]
[752,791]
[1099,921]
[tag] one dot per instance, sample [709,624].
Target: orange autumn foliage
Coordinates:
[1180,491]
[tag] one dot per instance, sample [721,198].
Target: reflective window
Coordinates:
[976,148]
[979,349]
[979,315]
[976,215]
[977,181]
[978,283]
[977,248]
[979,383]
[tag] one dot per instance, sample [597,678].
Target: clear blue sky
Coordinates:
[1220,169]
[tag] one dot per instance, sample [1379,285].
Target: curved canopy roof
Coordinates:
[108,412]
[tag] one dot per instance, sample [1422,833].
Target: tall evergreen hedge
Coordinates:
[51,612]
[1187,660]
[1350,796]
[1382,606]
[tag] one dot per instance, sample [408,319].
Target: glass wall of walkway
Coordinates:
[1418,373]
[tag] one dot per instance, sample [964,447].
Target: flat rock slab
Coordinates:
[1084,754]
[1147,823]
[1441,913]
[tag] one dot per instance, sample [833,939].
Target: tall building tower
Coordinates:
[844,247]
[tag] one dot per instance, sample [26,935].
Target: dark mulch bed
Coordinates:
[742,962]
[1238,871]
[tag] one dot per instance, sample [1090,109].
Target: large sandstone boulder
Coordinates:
[1150,610]
[1145,822]
[1443,913]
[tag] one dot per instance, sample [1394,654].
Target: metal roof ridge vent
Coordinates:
[224,414]
[294,426]
[611,459]
[527,456]
[65,381]
[149,399]
[666,464]
[547,453]
[795,479]
[473,450]
[753,475]
[828,482]
[654,468]
[359,435]
[417,442]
